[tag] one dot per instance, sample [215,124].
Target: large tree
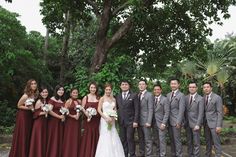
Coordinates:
[158,25]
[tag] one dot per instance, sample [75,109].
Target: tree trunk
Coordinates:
[45,49]
[103,43]
[64,51]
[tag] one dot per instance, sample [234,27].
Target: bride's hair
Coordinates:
[109,85]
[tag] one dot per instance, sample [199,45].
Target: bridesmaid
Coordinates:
[72,128]
[39,131]
[91,128]
[24,120]
[55,124]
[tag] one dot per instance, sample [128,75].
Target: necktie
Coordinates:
[124,96]
[207,100]
[172,95]
[156,100]
[191,100]
[140,96]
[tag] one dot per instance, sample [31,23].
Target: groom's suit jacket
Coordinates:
[128,109]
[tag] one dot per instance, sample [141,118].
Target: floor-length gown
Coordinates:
[109,144]
[39,134]
[72,134]
[55,132]
[22,134]
[90,134]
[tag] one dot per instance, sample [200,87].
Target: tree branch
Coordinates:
[119,8]
[95,7]
[120,33]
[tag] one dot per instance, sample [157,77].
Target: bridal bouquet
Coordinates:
[78,108]
[64,111]
[113,114]
[47,108]
[91,112]
[29,102]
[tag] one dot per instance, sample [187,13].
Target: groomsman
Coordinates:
[194,118]
[161,115]
[146,113]
[177,108]
[213,120]
[128,113]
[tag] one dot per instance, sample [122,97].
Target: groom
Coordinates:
[128,113]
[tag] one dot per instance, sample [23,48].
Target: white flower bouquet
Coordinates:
[113,114]
[29,103]
[47,108]
[64,111]
[91,112]
[78,108]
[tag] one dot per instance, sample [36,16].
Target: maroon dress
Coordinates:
[55,132]
[90,134]
[72,134]
[22,134]
[39,135]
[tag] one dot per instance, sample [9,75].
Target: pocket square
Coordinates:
[131,99]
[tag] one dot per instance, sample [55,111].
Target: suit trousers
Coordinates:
[147,134]
[193,142]
[175,139]
[212,138]
[127,139]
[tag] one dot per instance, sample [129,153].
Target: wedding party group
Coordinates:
[56,127]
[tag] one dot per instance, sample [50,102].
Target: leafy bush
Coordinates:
[7,114]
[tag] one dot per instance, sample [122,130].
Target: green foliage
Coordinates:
[113,72]
[7,114]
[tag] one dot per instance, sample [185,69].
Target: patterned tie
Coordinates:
[124,95]
[156,100]
[207,100]
[172,95]
[191,100]
[140,96]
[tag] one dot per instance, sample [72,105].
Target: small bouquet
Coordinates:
[78,108]
[64,111]
[29,102]
[91,112]
[113,114]
[47,108]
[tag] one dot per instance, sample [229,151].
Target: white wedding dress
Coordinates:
[109,144]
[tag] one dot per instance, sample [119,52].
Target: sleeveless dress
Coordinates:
[55,132]
[22,133]
[109,144]
[39,135]
[72,134]
[90,133]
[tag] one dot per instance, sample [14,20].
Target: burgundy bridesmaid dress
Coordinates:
[39,135]
[22,134]
[90,134]
[72,133]
[55,132]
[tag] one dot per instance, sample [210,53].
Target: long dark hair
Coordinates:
[57,97]
[28,91]
[40,97]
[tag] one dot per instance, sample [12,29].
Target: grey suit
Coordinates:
[194,117]
[146,114]
[161,114]
[177,108]
[213,118]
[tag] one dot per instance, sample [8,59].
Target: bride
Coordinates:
[109,144]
